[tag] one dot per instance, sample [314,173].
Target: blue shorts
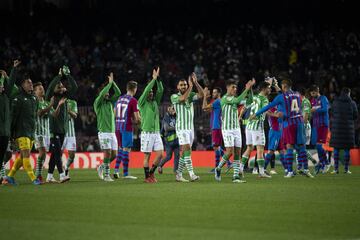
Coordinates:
[125,139]
[274,139]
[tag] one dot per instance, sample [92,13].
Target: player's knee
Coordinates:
[42,154]
[107,153]
[25,153]
[187,148]
[230,151]
[146,157]
[26,163]
[159,153]
[249,148]
[113,153]
[260,152]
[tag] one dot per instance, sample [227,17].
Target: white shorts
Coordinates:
[42,141]
[255,137]
[185,137]
[69,144]
[232,138]
[308,133]
[151,142]
[108,141]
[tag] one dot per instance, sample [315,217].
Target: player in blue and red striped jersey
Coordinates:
[215,122]
[274,140]
[126,115]
[320,125]
[275,133]
[289,105]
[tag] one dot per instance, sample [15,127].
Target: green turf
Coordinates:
[326,207]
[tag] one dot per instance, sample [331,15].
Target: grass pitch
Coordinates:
[326,207]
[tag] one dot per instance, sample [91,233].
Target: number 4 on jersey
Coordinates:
[295,106]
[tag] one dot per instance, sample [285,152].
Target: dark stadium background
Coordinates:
[219,39]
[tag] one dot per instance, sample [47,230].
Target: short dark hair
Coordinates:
[345,90]
[302,91]
[24,77]
[287,82]
[314,88]
[218,90]
[263,85]
[230,82]
[131,85]
[37,84]
[181,80]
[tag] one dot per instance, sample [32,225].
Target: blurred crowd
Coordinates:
[325,55]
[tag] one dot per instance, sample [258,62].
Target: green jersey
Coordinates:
[149,109]
[184,111]
[42,125]
[71,106]
[257,123]
[306,107]
[104,108]
[229,111]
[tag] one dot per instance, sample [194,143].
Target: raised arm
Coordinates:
[276,85]
[102,93]
[51,87]
[248,87]
[148,88]
[206,106]
[249,98]
[200,90]
[11,80]
[159,91]
[241,97]
[73,87]
[184,97]
[14,91]
[274,103]
[146,92]
[117,91]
